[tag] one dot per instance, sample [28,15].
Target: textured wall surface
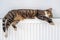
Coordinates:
[33,30]
[6,5]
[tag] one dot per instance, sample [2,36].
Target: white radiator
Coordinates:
[33,30]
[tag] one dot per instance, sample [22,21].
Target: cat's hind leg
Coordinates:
[14,25]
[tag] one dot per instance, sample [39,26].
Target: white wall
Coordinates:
[33,30]
[6,5]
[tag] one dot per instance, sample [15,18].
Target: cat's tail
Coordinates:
[4,20]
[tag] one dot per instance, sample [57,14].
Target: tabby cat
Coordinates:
[14,16]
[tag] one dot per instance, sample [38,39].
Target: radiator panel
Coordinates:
[33,30]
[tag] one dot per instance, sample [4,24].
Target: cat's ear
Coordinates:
[50,9]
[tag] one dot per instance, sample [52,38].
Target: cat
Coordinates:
[14,16]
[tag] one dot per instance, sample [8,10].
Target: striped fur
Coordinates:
[14,16]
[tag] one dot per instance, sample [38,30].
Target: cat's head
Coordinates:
[48,13]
